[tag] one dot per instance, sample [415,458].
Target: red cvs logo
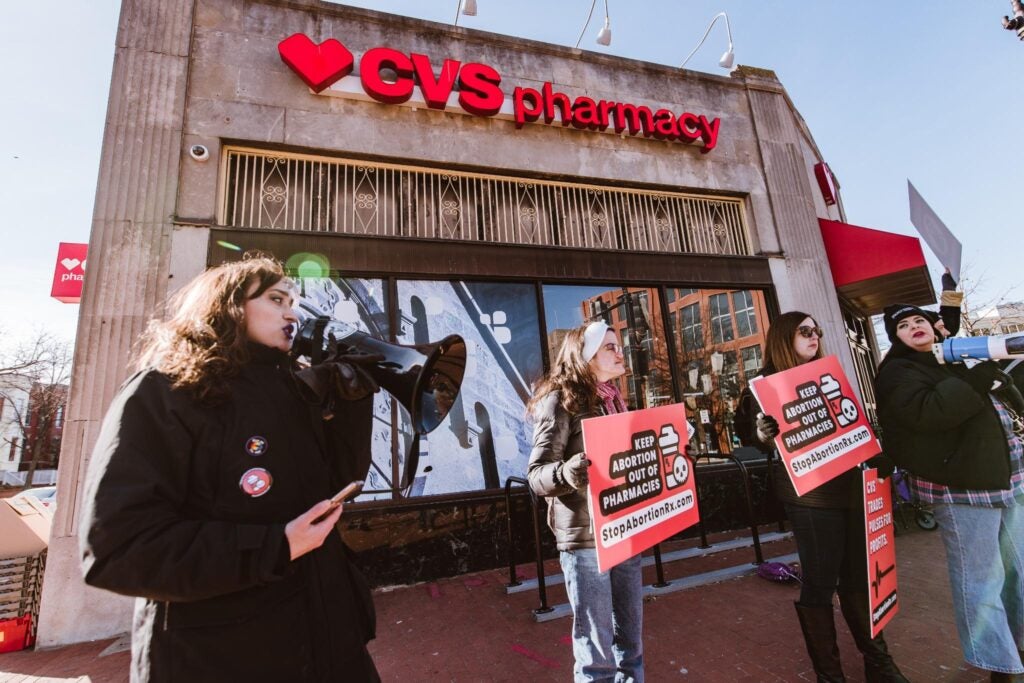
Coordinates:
[319,66]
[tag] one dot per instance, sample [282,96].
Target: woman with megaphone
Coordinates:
[208,496]
[952,429]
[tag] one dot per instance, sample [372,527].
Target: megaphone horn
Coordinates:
[425,378]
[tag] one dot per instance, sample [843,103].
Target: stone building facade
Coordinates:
[426,190]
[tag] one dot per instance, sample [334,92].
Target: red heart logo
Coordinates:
[320,66]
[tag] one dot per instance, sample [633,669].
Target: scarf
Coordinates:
[612,399]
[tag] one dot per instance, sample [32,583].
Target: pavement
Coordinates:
[468,628]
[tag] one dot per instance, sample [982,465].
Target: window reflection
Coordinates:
[715,359]
[635,315]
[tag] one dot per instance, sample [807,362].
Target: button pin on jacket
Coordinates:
[255,482]
[256,445]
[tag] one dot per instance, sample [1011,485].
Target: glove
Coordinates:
[983,375]
[574,471]
[767,428]
[948,283]
[344,377]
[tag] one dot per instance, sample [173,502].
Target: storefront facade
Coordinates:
[431,188]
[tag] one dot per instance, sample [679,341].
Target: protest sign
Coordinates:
[881,552]
[823,429]
[641,482]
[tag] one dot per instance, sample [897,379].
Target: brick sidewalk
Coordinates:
[468,629]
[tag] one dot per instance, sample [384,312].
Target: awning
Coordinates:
[874,268]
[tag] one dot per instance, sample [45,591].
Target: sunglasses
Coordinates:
[807,332]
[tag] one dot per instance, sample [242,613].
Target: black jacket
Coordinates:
[937,427]
[165,520]
[557,436]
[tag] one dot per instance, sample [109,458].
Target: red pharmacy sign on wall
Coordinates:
[391,76]
[823,429]
[881,552]
[642,487]
[69,273]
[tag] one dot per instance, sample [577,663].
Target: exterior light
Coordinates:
[728,57]
[604,36]
[468,8]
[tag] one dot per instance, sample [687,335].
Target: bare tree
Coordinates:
[34,380]
[978,299]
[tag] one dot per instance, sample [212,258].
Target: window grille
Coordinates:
[273,190]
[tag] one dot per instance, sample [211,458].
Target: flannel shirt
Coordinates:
[928,492]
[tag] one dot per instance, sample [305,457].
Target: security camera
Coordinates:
[199,152]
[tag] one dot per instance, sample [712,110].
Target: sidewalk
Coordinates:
[468,629]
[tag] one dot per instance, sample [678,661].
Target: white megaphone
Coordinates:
[999,347]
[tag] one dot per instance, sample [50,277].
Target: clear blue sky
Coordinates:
[890,90]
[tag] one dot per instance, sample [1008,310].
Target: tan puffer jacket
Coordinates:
[557,436]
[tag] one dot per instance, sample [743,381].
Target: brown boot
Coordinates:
[819,628]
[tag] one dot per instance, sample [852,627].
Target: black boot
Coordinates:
[878,664]
[819,629]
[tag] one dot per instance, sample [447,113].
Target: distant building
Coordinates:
[31,423]
[998,319]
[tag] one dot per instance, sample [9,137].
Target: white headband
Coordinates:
[592,338]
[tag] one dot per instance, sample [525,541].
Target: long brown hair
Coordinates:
[204,341]
[571,376]
[778,350]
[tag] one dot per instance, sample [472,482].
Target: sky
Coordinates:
[890,91]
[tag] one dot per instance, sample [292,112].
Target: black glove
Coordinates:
[948,283]
[767,428]
[343,378]
[574,471]
[983,375]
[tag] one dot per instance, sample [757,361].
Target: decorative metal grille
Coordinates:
[319,194]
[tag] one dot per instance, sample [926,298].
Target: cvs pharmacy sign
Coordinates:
[69,273]
[412,78]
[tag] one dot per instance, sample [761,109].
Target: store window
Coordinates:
[485,438]
[635,315]
[713,363]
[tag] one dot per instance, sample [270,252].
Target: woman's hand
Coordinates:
[574,471]
[767,427]
[308,531]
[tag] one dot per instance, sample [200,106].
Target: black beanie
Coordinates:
[894,313]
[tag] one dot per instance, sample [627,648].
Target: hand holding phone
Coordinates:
[340,497]
[349,491]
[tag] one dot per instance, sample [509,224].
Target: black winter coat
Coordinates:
[937,427]
[165,520]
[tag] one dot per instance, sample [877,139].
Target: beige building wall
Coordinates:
[208,72]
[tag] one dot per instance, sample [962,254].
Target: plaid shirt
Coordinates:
[927,492]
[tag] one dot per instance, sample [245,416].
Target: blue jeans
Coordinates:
[607,618]
[985,554]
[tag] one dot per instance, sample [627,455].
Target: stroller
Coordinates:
[903,504]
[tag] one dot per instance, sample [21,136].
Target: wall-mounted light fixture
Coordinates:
[468,8]
[604,36]
[728,56]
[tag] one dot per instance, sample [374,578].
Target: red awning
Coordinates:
[873,268]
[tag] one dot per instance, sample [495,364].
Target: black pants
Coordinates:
[830,542]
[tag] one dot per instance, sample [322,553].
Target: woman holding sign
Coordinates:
[827,522]
[607,608]
[955,435]
[207,494]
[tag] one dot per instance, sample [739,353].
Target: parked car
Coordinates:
[47,495]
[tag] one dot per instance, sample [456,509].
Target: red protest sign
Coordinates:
[881,552]
[823,429]
[642,487]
